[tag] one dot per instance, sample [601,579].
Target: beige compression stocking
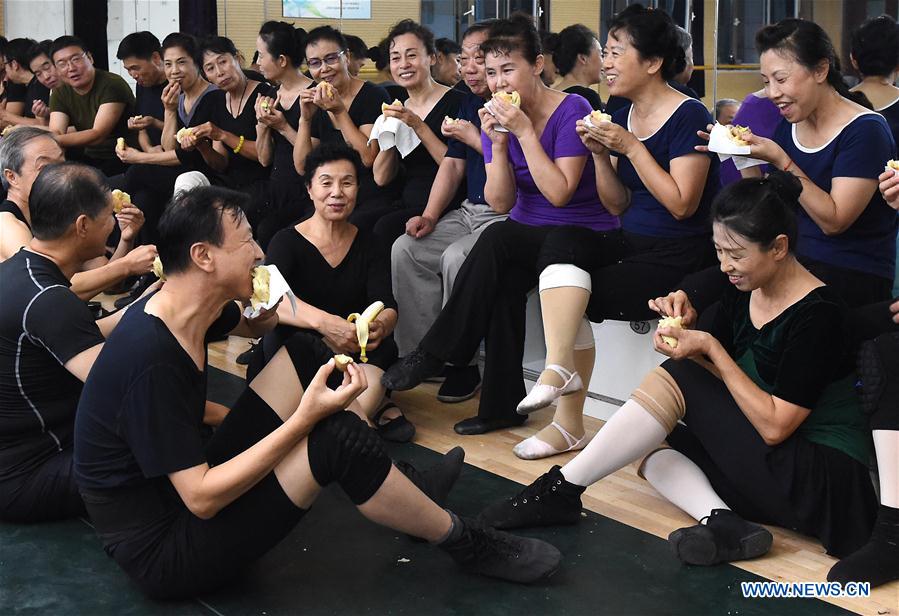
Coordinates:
[564,293]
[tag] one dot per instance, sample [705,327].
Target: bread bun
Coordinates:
[119,200]
[342,361]
[513,98]
[674,323]
[737,134]
[261,291]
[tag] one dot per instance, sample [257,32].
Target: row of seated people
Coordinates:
[652,230]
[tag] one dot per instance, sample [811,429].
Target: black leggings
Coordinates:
[627,270]
[182,555]
[47,493]
[797,484]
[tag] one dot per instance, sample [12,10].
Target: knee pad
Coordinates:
[565,275]
[662,398]
[584,339]
[188,180]
[878,385]
[344,449]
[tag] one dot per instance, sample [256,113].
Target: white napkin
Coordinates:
[391,132]
[278,288]
[588,122]
[720,142]
[499,127]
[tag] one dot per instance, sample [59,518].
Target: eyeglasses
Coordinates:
[76,60]
[331,59]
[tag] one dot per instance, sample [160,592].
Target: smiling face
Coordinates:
[410,63]
[512,72]
[180,67]
[223,70]
[75,67]
[474,70]
[626,71]
[327,62]
[747,264]
[791,86]
[333,190]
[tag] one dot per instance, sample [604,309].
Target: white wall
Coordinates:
[37,19]
[126,16]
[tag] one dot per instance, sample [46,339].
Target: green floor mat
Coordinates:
[336,562]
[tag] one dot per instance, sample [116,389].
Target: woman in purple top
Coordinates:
[647,171]
[759,114]
[541,173]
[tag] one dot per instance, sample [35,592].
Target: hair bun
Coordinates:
[786,185]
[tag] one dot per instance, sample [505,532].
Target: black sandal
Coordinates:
[398,430]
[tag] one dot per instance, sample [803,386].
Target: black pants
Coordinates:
[488,303]
[47,493]
[151,188]
[179,555]
[797,484]
[627,270]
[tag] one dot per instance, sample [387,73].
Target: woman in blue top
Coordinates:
[875,57]
[838,149]
[648,172]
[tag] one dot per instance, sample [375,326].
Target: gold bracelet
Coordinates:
[239,145]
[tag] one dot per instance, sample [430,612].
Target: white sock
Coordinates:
[631,433]
[678,479]
[886,444]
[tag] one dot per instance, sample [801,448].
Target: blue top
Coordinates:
[475,171]
[859,150]
[676,137]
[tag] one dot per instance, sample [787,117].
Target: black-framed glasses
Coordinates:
[331,59]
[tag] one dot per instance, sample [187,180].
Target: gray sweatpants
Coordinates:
[424,269]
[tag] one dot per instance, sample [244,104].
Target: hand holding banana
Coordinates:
[363,322]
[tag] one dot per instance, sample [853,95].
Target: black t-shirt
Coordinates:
[361,278]
[141,412]
[12,208]
[200,113]
[283,169]
[16,92]
[148,102]
[42,326]
[365,109]
[241,171]
[590,94]
[419,168]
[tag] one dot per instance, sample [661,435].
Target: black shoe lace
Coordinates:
[488,542]
[532,493]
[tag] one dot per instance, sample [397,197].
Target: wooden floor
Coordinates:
[623,496]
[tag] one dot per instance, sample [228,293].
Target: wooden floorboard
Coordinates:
[624,496]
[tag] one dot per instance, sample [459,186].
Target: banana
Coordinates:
[362,322]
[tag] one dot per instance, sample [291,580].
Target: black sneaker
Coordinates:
[411,370]
[725,537]
[877,562]
[549,501]
[461,384]
[496,554]
[437,481]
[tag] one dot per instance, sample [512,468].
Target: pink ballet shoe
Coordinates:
[542,395]
[533,448]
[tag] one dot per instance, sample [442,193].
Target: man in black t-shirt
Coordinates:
[181,518]
[48,343]
[24,88]
[141,55]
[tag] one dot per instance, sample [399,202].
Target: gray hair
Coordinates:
[684,39]
[724,102]
[12,149]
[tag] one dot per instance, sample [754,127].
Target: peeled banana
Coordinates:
[362,322]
